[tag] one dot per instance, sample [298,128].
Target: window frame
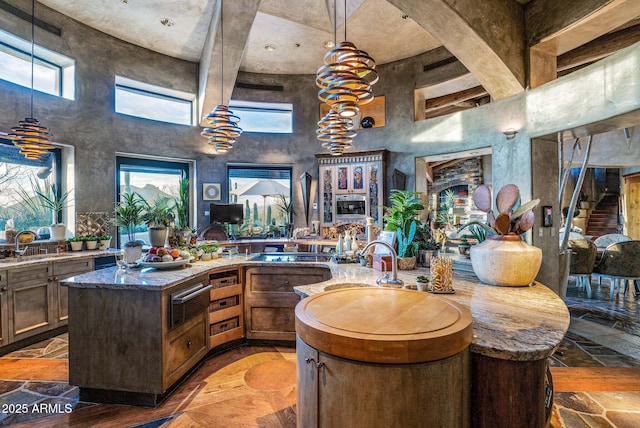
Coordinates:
[239,106]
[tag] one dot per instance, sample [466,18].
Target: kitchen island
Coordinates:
[514,329]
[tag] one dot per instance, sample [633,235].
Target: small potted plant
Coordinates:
[104,241]
[91,242]
[422,282]
[128,214]
[52,199]
[76,243]
[158,216]
[464,246]
[401,218]
[182,229]
[286,206]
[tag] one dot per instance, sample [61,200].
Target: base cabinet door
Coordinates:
[31,301]
[62,270]
[347,393]
[270,300]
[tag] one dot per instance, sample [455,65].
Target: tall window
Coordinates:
[269,118]
[258,189]
[141,99]
[53,73]
[151,179]
[20,181]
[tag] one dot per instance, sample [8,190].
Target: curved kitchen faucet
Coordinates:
[384,280]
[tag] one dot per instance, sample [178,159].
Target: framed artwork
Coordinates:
[211,192]
[358,177]
[547,216]
[343,178]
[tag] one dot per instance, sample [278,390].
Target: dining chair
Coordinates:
[620,262]
[583,256]
[610,238]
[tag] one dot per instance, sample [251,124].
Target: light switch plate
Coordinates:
[315,205]
[540,231]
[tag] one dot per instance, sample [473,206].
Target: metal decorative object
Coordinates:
[33,140]
[305,182]
[345,82]
[223,124]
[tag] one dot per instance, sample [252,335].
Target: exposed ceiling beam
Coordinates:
[554,28]
[456,99]
[487,37]
[443,165]
[238,20]
[599,48]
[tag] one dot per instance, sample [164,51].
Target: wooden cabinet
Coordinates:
[270,300]
[333,391]
[226,317]
[4,309]
[31,301]
[122,347]
[358,174]
[64,269]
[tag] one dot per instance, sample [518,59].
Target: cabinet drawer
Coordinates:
[3,278]
[224,325]
[185,342]
[225,302]
[68,268]
[224,281]
[273,319]
[281,282]
[33,275]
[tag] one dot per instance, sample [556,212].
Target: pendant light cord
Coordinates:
[345,20]
[33,41]
[221,51]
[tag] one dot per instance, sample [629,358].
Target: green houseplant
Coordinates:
[91,242]
[182,229]
[76,243]
[401,218]
[105,241]
[128,215]
[49,198]
[158,216]
[286,206]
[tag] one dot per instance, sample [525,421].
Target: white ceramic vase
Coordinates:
[506,260]
[132,253]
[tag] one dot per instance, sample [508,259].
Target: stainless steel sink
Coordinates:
[347,285]
[291,257]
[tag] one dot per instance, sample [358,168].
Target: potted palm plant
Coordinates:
[182,228]
[128,215]
[158,216]
[286,206]
[51,198]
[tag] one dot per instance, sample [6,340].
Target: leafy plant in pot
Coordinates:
[128,215]
[286,206]
[76,243]
[504,258]
[91,242]
[182,229]
[50,198]
[158,216]
[401,218]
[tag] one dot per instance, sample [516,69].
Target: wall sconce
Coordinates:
[510,133]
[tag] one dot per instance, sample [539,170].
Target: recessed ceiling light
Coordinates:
[269,48]
[125,1]
[473,153]
[328,44]
[167,22]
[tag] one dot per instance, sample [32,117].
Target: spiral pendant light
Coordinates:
[33,140]
[223,124]
[345,82]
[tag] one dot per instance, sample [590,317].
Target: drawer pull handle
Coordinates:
[286,318]
[286,282]
[4,289]
[190,293]
[189,344]
[223,303]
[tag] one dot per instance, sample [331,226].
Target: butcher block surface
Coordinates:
[384,325]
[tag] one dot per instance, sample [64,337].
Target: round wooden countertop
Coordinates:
[384,325]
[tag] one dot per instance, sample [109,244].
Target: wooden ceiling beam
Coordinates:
[449,163]
[599,48]
[456,98]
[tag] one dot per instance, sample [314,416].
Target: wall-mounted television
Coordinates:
[226,213]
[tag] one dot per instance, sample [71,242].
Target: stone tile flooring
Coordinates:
[604,333]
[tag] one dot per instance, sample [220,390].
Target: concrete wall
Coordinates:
[608,89]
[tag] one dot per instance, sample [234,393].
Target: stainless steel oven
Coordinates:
[351,206]
[188,303]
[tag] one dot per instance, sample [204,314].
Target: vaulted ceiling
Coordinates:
[503,46]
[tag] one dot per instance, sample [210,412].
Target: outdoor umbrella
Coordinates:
[264,188]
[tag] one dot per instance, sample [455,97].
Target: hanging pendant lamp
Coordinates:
[345,82]
[33,140]
[223,124]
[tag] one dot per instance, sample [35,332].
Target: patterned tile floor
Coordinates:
[603,333]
